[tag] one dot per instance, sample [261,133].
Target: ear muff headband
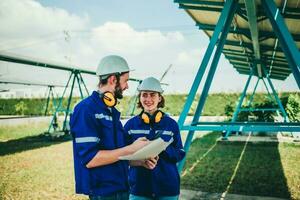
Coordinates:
[155,118]
[109,99]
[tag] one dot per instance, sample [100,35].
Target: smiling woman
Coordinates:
[156,177]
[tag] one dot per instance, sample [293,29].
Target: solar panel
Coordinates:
[248,30]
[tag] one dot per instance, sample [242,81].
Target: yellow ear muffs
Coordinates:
[155,118]
[146,118]
[109,99]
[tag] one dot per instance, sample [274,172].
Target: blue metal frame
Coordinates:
[222,27]
[252,95]
[276,97]
[252,19]
[239,105]
[50,96]
[284,36]
[242,126]
[230,8]
[77,77]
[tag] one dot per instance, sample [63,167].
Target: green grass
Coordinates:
[266,169]
[36,167]
[23,130]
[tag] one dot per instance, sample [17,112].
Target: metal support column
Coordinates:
[276,97]
[252,95]
[50,93]
[229,11]
[205,60]
[53,123]
[269,94]
[69,101]
[238,107]
[284,36]
[82,81]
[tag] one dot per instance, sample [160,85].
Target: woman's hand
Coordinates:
[150,163]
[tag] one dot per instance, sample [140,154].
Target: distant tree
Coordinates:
[293,108]
[21,108]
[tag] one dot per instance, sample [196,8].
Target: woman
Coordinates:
[155,178]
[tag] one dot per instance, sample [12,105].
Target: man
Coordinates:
[98,136]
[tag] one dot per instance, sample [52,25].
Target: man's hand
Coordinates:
[138,144]
[150,163]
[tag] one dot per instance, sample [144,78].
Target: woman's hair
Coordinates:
[161,104]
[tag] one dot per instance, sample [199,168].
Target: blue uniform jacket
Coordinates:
[94,127]
[164,179]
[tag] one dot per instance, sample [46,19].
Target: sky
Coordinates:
[150,35]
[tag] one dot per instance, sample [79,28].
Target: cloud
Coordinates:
[27,22]
[120,37]
[31,29]
[36,31]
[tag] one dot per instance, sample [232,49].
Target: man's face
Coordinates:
[122,86]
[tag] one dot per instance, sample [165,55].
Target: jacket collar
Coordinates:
[96,98]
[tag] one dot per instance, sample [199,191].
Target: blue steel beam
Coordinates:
[26,83]
[197,2]
[264,48]
[79,87]
[252,95]
[204,62]
[209,27]
[277,77]
[30,61]
[286,41]
[229,9]
[227,53]
[251,13]
[289,15]
[258,109]
[58,106]
[81,79]
[286,119]
[246,127]
[269,94]
[205,8]
[50,93]
[239,11]
[239,105]
[69,102]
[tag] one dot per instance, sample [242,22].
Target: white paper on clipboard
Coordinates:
[154,148]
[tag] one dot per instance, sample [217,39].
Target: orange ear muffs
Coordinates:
[146,118]
[109,99]
[155,118]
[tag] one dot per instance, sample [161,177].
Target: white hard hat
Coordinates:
[112,64]
[150,84]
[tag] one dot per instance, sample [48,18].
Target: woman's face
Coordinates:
[149,101]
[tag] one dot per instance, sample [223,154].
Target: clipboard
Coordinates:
[154,148]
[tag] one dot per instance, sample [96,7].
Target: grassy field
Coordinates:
[36,167]
[265,169]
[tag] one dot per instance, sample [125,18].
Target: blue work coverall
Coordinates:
[96,127]
[164,179]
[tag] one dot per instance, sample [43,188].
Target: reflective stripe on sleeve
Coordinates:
[139,132]
[166,132]
[102,116]
[87,139]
